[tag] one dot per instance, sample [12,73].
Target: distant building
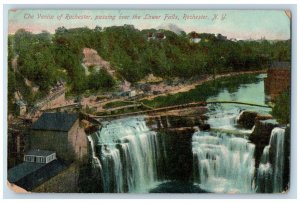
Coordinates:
[132,93]
[150,35]
[160,35]
[278,79]
[21,107]
[157,36]
[62,133]
[195,38]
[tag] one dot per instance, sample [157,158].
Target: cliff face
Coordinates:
[261,136]
[93,59]
[175,136]
[177,121]
[177,163]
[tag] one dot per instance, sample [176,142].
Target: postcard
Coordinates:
[149,101]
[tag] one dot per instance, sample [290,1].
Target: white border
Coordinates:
[292,194]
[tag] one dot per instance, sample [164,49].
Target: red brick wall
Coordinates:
[278,80]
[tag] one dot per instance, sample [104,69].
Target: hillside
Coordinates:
[123,53]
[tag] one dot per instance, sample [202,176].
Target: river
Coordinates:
[128,154]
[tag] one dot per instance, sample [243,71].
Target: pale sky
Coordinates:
[239,24]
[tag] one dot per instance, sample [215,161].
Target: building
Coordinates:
[39,156]
[278,79]
[62,133]
[132,93]
[34,171]
[150,36]
[156,36]
[160,36]
[21,107]
[195,37]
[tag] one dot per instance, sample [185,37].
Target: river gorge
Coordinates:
[214,150]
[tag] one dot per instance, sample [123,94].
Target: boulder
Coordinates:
[204,127]
[247,119]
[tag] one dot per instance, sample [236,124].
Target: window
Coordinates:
[40,159]
[29,158]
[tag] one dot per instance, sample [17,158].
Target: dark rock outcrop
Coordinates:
[180,121]
[177,121]
[261,136]
[177,144]
[287,155]
[247,119]
[204,126]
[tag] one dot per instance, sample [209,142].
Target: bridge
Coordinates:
[169,108]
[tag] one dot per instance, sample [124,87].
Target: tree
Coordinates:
[100,80]
[282,108]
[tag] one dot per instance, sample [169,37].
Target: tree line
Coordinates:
[44,58]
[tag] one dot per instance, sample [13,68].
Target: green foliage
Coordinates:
[117,104]
[100,80]
[282,108]
[36,61]
[44,58]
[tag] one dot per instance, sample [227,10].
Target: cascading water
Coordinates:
[128,154]
[270,171]
[131,159]
[223,163]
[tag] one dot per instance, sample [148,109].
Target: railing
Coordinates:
[237,102]
[181,106]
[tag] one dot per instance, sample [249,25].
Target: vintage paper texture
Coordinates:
[149,101]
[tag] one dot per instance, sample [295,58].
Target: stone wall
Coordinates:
[64,182]
[78,141]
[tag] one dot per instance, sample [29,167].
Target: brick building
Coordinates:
[278,79]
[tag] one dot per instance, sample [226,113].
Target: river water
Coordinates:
[127,152]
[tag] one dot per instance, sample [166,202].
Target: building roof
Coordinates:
[30,175]
[38,152]
[20,171]
[55,121]
[281,64]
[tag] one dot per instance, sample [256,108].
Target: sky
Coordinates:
[238,24]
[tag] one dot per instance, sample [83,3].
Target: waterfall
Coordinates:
[270,171]
[95,159]
[223,120]
[129,154]
[223,163]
